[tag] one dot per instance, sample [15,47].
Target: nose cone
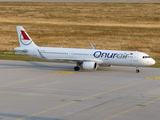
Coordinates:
[152,61]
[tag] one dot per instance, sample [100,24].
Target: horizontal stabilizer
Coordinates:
[20,49]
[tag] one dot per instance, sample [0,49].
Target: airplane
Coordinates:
[87,59]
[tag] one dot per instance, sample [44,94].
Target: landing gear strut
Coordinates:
[137,69]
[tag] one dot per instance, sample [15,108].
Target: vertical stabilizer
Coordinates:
[24,38]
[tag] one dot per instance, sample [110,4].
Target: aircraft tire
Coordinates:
[137,71]
[77,68]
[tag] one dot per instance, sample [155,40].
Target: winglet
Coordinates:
[92,46]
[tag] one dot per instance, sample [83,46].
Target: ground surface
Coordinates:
[53,91]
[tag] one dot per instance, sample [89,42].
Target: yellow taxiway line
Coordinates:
[132,109]
[27,80]
[56,73]
[88,98]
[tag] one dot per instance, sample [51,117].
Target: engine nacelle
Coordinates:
[89,65]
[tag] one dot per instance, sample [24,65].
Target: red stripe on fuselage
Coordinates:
[25,37]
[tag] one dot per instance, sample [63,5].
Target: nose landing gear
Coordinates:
[137,69]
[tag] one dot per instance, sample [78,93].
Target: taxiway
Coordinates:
[53,91]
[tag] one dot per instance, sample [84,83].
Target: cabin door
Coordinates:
[71,54]
[135,57]
[35,53]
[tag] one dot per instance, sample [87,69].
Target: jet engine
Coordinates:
[89,65]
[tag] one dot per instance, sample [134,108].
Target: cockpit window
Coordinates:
[146,57]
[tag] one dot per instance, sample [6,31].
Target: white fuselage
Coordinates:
[102,57]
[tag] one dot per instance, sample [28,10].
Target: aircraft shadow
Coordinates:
[38,65]
[44,66]
[27,118]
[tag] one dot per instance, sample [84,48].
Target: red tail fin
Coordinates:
[25,37]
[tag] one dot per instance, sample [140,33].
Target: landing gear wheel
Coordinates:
[137,71]
[77,68]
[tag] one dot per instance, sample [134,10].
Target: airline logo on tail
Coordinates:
[24,38]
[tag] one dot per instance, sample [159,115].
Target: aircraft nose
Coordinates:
[152,61]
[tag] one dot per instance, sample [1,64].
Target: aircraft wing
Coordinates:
[75,60]
[71,60]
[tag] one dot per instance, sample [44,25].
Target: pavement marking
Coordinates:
[27,80]
[132,109]
[116,89]
[85,99]
[64,72]
[47,110]
[152,77]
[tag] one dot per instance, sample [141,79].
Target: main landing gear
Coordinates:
[137,69]
[76,68]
